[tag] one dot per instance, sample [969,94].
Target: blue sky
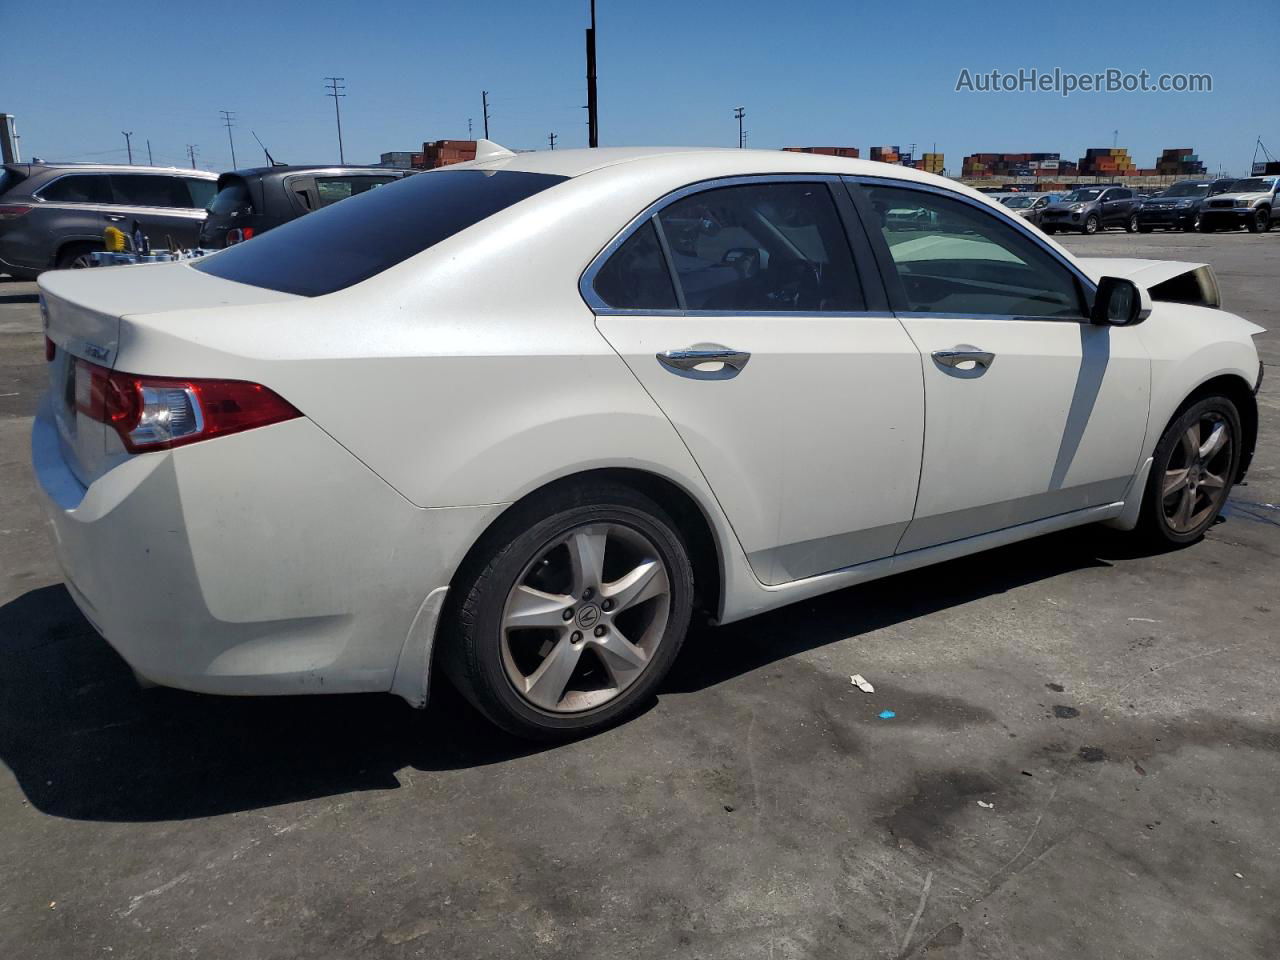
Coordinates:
[824,73]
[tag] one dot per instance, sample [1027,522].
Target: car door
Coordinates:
[160,204]
[71,208]
[1031,411]
[739,308]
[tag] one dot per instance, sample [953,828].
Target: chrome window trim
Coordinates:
[172,175]
[1017,223]
[586,283]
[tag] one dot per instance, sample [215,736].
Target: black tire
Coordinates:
[1206,226]
[1260,222]
[1050,230]
[472,635]
[1131,225]
[1194,224]
[1153,522]
[1091,224]
[71,256]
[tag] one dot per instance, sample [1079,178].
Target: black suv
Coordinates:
[250,202]
[53,214]
[1179,206]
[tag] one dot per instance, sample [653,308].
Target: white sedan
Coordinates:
[520,417]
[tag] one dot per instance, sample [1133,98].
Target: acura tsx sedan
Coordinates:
[520,418]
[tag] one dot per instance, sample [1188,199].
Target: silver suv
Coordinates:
[1251,202]
[52,214]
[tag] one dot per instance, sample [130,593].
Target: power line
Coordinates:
[739,113]
[228,119]
[484,102]
[335,91]
[128,143]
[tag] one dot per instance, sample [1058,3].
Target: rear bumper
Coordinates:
[266,562]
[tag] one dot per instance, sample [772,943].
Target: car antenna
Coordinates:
[270,159]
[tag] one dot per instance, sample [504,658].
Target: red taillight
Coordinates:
[239,235]
[13,211]
[50,350]
[159,413]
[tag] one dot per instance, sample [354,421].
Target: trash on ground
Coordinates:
[985,805]
[1239,876]
[887,714]
[1065,713]
[859,681]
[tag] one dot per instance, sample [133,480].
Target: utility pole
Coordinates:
[228,118]
[739,113]
[335,91]
[470,136]
[593,117]
[551,137]
[150,162]
[192,150]
[128,144]
[484,102]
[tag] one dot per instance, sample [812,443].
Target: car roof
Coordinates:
[86,167]
[710,161]
[314,168]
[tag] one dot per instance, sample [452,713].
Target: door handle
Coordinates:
[963,354]
[692,357]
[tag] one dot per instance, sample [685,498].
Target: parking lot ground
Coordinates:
[1083,762]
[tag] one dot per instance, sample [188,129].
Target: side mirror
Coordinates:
[1119,303]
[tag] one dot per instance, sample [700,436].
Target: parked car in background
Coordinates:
[1090,209]
[53,214]
[1030,206]
[1179,206]
[517,418]
[1249,203]
[250,202]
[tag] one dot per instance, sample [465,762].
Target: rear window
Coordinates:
[233,196]
[148,190]
[200,192]
[352,241]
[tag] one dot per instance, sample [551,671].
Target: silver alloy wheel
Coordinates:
[1195,479]
[573,640]
[81,262]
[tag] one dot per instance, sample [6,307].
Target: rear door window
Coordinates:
[79,188]
[149,190]
[636,277]
[346,243]
[333,189]
[765,247]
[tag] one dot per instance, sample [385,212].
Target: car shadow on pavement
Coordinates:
[84,742]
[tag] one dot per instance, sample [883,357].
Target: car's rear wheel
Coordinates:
[1131,224]
[1260,222]
[1091,224]
[570,612]
[76,256]
[1195,464]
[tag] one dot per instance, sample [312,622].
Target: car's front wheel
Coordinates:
[1260,222]
[1195,464]
[570,611]
[1091,224]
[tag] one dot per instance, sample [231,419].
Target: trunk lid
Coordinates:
[83,313]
